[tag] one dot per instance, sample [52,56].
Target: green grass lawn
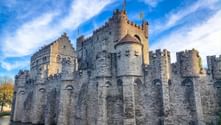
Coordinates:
[4,113]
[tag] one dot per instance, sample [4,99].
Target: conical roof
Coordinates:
[128,39]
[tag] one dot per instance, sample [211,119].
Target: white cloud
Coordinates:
[152,3]
[45,28]
[14,65]
[29,36]
[35,33]
[177,16]
[205,37]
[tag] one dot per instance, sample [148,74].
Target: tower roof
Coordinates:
[128,39]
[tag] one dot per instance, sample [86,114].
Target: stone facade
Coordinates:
[112,79]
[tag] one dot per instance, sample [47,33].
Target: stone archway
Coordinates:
[139,102]
[114,101]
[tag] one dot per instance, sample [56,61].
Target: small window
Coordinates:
[22,92]
[108,84]
[157,82]
[136,53]
[69,87]
[127,53]
[42,90]
[119,82]
[118,54]
[137,37]
[44,58]
[64,47]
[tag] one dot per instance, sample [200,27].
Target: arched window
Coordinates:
[69,87]
[21,92]
[114,105]
[108,84]
[187,85]
[158,95]
[137,37]
[157,82]
[119,82]
[138,82]
[42,90]
[217,84]
[187,82]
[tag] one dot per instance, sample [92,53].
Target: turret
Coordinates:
[189,63]
[160,62]
[21,78]
[120,18]
[214,67]
[129,57]
[145,28]
[68,67]
[80,41]
[161,72]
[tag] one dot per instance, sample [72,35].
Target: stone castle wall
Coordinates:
[111,79]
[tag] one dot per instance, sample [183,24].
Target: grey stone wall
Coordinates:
[107,82]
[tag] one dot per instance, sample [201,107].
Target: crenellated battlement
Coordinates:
[22,73]
[47,47]
[134,24]
[119,18]
[112,74]
[159,53]
[160,63]
[189,62]
[102,28]
[214,66]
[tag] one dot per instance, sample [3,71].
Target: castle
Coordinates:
[112,79]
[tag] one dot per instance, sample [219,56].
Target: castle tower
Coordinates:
[124,26]
[189,63]
[67,93]
[20,94]
[214,67]
[110,34]
[129,57]
[129,68]
[160,62]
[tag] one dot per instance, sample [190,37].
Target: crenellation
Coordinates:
[113,79]
[214,67]
[190,63]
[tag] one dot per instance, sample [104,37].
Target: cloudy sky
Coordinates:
[176,25]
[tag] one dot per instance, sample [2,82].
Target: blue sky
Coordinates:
[176,25]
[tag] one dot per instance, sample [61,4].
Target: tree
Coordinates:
[6,92]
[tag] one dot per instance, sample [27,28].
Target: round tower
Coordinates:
[129,57]
[189,62]
[214,66]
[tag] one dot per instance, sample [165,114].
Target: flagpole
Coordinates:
[124,5]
